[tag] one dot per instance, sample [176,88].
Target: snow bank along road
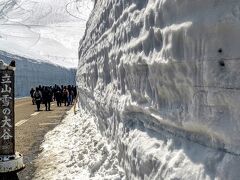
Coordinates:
[75,149]
[31,126]
[167,70]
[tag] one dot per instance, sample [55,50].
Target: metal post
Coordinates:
[10,161]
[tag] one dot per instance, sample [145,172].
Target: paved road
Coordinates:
[31,126]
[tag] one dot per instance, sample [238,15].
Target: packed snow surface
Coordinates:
[162,79]
[44,29]
[75,149]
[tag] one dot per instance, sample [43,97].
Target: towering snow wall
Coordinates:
[31,73]
[165,71]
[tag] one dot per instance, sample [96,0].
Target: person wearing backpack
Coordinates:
[38,98]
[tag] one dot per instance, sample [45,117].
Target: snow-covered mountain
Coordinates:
[46,32]
[44,29]
[162,78]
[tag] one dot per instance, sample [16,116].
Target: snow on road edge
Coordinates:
[75,149]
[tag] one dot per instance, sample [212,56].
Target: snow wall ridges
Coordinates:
[169,67]
[31,73]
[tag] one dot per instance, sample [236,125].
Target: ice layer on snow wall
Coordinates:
[31,73]
[170,64]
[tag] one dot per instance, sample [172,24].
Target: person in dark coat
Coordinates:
[58,97]
[32,93]
[43,90]
[38,98]
[47,98]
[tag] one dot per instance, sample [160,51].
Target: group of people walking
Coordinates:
[47,94]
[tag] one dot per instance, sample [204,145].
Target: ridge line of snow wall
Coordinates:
[169,69]
[31,73]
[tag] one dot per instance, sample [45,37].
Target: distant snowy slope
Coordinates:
[163,79]
[44,29]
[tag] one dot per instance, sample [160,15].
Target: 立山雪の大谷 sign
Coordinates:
[7,139]
[10,161]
